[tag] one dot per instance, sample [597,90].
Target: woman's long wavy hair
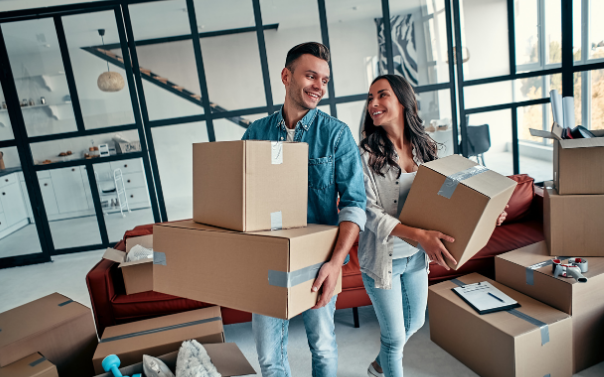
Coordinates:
[377,143]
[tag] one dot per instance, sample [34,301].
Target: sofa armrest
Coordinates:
[101,288]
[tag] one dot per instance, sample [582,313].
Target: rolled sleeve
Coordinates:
[353,214]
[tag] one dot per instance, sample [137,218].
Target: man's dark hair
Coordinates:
[313,48]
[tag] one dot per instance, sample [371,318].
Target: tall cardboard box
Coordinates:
[578,163]
[527,270]
[34,365]
[138,275]
[501,344]
[269,273]
[158,336]
[250,185]
[226,357]
[57,327]
[460,198]
[573,224]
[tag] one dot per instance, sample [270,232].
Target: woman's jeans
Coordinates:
[401,310]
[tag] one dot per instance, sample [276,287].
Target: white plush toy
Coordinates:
[193,361]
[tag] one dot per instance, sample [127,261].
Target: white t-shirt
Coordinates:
[290,134]
[402,249]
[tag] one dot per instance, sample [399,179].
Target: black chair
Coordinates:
[479,141]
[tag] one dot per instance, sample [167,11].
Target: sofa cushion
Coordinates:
[520,202]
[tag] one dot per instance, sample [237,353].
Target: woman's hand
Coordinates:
[502,216]
[430,240]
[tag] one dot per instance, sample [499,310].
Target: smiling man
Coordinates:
[334,170]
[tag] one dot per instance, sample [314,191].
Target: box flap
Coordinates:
[135,263]
[115,255]
[33,365]
[555,133]
[37,317]
[583,143]
[145,241]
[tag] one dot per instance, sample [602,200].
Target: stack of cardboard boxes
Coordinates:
[559,331]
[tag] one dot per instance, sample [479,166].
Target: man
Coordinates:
[334,169]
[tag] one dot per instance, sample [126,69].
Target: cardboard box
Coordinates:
[468,211]
[138,275]
[501,344]
[523,270]
[578,163]
[573,224]
[226,357]
[250,185]
[59,328]
[269,273]
[34,365]
[158,336]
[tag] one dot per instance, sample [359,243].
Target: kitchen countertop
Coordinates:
[8,171]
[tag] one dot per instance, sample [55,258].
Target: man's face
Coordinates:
[307,84]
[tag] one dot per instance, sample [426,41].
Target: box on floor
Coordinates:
[501,344]
[226,357]
[459,198]
[250,185]
[525,271]
[573,224]
[269,273]
[57,327]
[34,365]
[578,163]
[158,336]
[138,275]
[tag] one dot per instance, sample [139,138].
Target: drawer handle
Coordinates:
[3,193]
[128,181]
[46,184]
[126,165]
[6,180]
[72,169]
[132,196]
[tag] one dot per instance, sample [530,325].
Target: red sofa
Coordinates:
[111,305]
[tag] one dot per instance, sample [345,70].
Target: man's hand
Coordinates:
[502,216]
[327,279]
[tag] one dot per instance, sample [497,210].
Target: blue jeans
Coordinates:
[271,334]
[401,310]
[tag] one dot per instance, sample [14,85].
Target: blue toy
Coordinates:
[111,363]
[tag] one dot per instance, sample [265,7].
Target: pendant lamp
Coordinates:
[109,81]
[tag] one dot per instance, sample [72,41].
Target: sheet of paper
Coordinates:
[568,105]
[484,296]
[557,112]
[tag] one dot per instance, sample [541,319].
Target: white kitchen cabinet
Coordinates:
[3,223]
[69,189]
[48,195]
[12,202]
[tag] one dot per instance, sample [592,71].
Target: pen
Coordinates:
[492,295]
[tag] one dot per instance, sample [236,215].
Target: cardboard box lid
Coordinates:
[556,134]
[33,365]
[503,321]
[119,256]
[38,316]
[144,241]
[488,183]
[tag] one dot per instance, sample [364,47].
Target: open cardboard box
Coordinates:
[578,163]
[138,275]
[34,365]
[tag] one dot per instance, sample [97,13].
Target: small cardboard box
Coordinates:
[501,344]
[250,185]
[573,224]
[578,163]
[138,275]
[59,328]
[158,336]
[459,198]
[34,365]
[524,270]
[269,273]
[226,357]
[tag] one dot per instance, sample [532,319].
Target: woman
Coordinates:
[395,273]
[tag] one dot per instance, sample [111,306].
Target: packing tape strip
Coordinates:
[530,270]
[276,220]
[534,321]
[66,302]
[159,329]
[451,182]
[276,152]
[159,258]
[291,279]
[39,361]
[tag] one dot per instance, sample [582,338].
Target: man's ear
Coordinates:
[286,76]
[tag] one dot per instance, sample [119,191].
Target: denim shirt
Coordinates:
[334,165]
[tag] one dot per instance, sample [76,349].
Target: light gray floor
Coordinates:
[357,347]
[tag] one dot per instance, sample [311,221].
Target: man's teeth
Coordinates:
[312,95]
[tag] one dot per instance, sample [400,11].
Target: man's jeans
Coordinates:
[401,310]
[270,335]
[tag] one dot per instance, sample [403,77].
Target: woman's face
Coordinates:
[383,106]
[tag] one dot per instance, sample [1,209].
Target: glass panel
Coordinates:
[536,154]
[6,129]
[485,38]
[236,54]
[499,156]
[511,91]
[124,194]
[578,95]
[69,207]
[597,99]
[84,147]
[232,128]
[90,59]
[553,31]
[18,233]
[35,59]
[172,61]
[527,31]
[596,29]
[435,110]
[577,37]
[352,113]
[298,23]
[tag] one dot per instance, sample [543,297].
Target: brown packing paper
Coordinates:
[500,344]
[34,365]
[585,302]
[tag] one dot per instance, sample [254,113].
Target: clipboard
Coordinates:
[485,298]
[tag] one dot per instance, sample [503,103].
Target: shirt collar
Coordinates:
[305,122]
